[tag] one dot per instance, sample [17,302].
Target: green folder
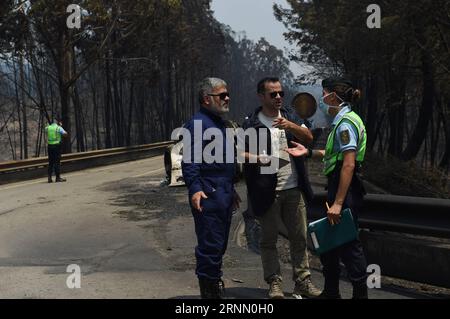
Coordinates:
[325,237]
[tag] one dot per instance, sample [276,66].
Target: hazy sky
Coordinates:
[256,18]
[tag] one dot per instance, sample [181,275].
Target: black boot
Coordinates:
[360,291]
[205,288]
[329,295]
[331,290]
[50,179]
[60,179]
[211,289]
[221,289]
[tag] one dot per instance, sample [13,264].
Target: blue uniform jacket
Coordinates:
[214,179]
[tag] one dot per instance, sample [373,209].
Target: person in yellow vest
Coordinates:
[55,132]
[343,156]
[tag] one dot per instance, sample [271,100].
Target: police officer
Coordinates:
[211,191]
[343,156]
[54,134]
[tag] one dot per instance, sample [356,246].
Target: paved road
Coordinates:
[131,237]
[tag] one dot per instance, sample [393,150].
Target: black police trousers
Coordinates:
[351,254]
[54,160]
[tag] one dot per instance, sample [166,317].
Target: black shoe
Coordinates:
[329,295]
[50,180]
[211,289]
[60,180]
[221,289]
[360,291]
[331,288]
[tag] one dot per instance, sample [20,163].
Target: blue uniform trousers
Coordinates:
[212,226]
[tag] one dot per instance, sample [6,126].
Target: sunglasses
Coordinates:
[275,94]
[222,96]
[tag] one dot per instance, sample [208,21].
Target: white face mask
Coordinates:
[324,107]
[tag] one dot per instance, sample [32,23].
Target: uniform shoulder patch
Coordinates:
[345,137]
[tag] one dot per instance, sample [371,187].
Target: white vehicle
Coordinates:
[172,162]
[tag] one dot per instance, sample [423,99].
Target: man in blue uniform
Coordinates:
[211,192]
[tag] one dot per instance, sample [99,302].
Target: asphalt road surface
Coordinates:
[130,236]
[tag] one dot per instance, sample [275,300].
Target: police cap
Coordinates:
[332,82]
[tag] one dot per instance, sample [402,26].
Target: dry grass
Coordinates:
[405,178]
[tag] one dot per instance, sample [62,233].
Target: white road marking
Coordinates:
[21,184]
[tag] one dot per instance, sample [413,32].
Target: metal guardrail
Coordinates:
[13,171]
[403,214]
[411,215]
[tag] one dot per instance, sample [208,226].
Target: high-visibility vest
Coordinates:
[53,134]
[331,156]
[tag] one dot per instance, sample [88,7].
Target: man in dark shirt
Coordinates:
[282,193]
